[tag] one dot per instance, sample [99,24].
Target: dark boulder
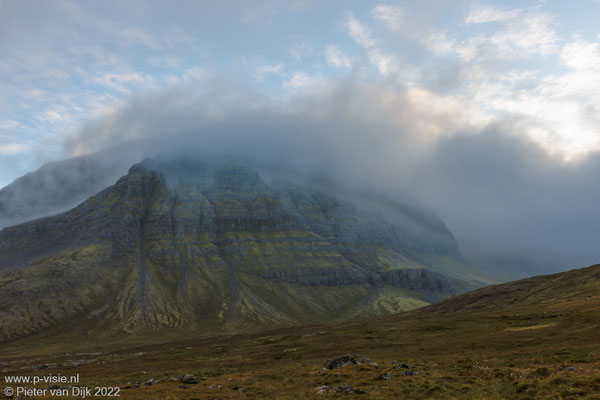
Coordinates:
[386,377]
[190,379]
[346,359]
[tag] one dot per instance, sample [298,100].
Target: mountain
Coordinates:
[57,186]
[220,246]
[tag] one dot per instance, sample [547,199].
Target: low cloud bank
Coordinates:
[512,206]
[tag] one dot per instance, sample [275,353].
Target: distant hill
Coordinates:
[56,187]
[565,290]
[221,247]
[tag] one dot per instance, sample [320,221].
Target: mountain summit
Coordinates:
[220,246]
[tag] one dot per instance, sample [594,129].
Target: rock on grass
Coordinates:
[346,359]
[190,379]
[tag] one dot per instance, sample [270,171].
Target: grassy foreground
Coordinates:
[537,338]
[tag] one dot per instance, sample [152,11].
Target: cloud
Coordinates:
[558,111]
[336,57]
[52,116]
[300,50]
[302,80]
[262,70]
[13,148]
[485,13]
[8,123]
[529,35]
[518,205]
[581,55]
[165,61]
[359,33]
[396,19]
[121,82]
[503,196]
[136,36]
[385,63]
[519,34]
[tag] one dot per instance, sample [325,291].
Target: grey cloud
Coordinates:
[510,204]
[508,201]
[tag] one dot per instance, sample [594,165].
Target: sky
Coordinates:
[489,112]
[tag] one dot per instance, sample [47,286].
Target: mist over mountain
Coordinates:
[56,187]
[513,207]
[484,112]
[216,246]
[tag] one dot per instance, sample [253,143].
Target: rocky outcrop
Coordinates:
[421,280]
[346,359]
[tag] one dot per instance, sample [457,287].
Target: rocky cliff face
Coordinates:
[215,247]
